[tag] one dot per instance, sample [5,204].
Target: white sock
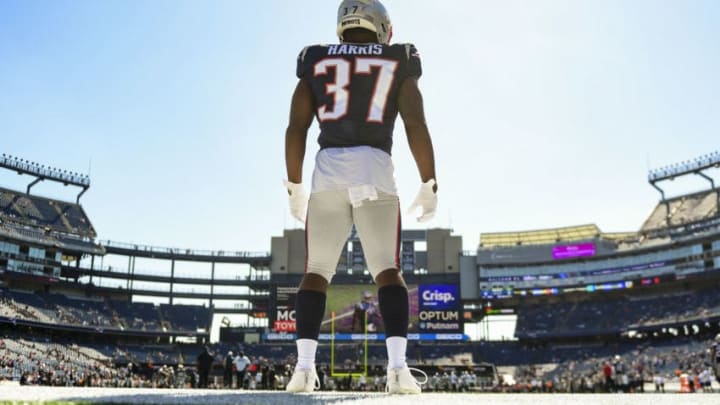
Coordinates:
[396,348]
[306,353]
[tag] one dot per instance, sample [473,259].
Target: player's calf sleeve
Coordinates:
[394,307]
[309,312]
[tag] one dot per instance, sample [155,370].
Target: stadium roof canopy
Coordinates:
[540,236]
[619,236]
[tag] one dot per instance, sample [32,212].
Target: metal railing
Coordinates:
[180,251]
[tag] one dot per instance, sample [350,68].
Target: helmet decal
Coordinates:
[367,14]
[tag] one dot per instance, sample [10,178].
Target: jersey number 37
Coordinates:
[339,88]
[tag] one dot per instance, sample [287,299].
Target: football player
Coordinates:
[356,89]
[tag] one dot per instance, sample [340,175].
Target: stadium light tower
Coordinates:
[41,173]
[695,166]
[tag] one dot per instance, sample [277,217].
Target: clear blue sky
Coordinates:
[543,113]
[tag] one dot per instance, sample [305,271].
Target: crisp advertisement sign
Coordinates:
[439,307]
[439,296]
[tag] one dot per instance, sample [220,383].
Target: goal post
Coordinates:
[333,372]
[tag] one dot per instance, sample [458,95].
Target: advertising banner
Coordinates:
[284,320]
[432,308]
[439,308]
[576,250]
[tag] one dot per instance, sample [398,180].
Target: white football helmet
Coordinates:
[368,14]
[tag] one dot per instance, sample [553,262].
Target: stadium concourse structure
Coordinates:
[645,300]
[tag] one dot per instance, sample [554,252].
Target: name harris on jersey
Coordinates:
[347,49]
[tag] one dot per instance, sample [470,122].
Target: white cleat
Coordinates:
[401,381]
[303,381]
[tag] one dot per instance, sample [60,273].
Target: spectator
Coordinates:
[608,373]
[715,356]
[228,370]
[180,377]
[241,362]
[204,364]
[659,383]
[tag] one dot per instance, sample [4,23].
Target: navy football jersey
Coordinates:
[355,89]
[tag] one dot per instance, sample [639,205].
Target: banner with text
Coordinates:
[439,308]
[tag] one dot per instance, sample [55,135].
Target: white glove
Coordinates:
[427,200]
[297,199]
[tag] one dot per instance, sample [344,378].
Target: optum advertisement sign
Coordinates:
[439,307]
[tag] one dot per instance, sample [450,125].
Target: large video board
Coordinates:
[433,308]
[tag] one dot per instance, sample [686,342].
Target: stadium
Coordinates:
[593,312]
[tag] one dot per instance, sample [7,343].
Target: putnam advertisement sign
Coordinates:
[439,308]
